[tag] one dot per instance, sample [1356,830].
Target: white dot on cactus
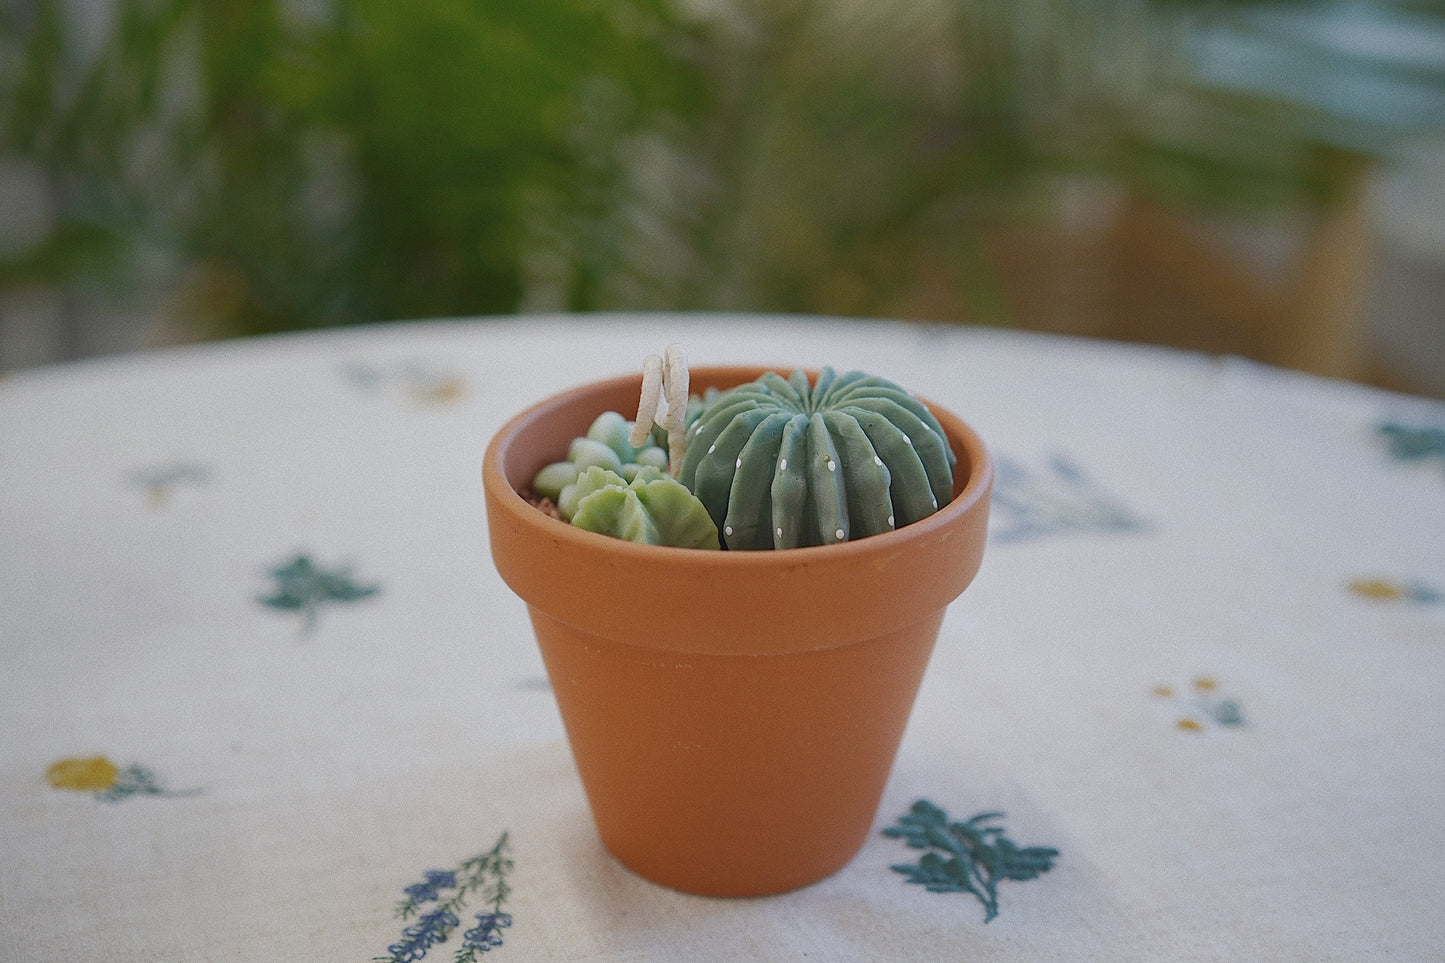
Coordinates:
[935,503]
[711,449]
[890,521]
[780,533]
[909,440]
[832,465]
[839,534]
[782,466]
[738,463]
[877,460]
[727,529]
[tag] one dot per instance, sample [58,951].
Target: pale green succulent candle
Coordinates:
[652,509]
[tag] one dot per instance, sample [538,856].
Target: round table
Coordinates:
[264,696]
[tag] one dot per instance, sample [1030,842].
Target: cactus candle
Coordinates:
[784,463]
[775,463]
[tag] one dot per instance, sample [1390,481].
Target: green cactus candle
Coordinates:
[781,463]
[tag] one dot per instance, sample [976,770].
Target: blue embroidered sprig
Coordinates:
[1027,505]
[484,877]
[967,857]
[302,586]
[482,937]
[430,929]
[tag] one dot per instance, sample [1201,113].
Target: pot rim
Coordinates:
[974,456]
[925,564]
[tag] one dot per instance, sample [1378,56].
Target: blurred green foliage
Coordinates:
[280,165]
[370,161]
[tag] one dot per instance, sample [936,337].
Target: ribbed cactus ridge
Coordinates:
[780,463]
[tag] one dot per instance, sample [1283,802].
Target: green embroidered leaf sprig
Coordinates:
[1412,442]
[139,781]
[302,586]
[967,857]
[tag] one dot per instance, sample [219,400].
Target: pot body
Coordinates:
[733,715]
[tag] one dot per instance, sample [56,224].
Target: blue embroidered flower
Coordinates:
[481,878]
[430,889]
[432,928]
[1026,505]
[484,935]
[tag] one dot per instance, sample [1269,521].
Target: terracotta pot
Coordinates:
[733,715]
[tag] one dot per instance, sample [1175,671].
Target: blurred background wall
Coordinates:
[1265,179]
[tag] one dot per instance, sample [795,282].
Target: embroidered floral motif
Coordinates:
[429,888]
[484,935]
[1388,590]
[966,857]
[419,384]
[301,586]
[483,877]
[107,781]
[158,481]
[1412,443]
[1028,505]
[1204,705]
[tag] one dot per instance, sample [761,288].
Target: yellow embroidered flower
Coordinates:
[437,389]
[92,774]
[1379,589]
[448,389]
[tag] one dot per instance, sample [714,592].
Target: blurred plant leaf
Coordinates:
[305,165]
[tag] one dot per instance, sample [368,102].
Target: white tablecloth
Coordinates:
[259,678]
